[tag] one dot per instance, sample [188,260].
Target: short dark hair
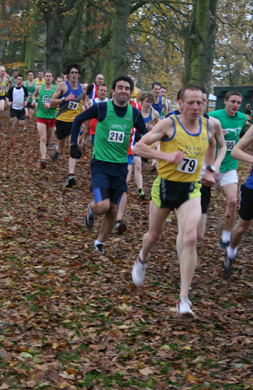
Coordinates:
[230,93]
[191,87]
[49,71]
[20,75]
[102,85]
[156,83]
[163,87]
[70,66]
[123,78]
[205,91]
[179,94]
[30,71]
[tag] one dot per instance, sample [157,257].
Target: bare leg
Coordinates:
[238,231]
[189,214]
[201,230]
[42,130]
[123,202]
[14,126]
[231,195]
[157,220]
[138,172]
[108,222]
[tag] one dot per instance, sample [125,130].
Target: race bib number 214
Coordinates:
[116,136]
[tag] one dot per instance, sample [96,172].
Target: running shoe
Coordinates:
[141,194]
[43,163]
[52,147]
[120,227]
[99,248]
[184,307]
[25,130]
[71,181]
[54,155]
[223,245]
[89,218]
[139,271]
[14,137]
[227,266]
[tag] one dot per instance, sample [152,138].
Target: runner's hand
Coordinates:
[75,152]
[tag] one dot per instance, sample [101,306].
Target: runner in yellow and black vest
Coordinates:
[4,83]
[69,96]
[185,141]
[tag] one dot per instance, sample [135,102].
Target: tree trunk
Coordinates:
[199,37]
[54,43]
[118,62]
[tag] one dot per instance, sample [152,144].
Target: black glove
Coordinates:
[75,152]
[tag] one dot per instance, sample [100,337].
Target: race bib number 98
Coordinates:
[230,145]
[116,136]
[188,165]
[73,105]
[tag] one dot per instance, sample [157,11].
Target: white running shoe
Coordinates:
[139,271]
[184,307]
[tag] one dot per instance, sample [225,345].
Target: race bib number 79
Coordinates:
[188,165]
[116,136]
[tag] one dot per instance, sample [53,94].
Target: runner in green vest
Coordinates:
[110,154]
[46,115]
[30,84]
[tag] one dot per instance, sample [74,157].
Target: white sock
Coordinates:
[226,235]
[231,252]
[97,242]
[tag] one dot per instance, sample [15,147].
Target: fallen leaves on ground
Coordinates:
[72,319]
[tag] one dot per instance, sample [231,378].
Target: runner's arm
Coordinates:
[221,145]
[163,129]
[238,151]
[92,112]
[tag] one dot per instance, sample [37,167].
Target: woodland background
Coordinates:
[207,42]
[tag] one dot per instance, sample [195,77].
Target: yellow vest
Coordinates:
[195,146]
[4,85]
[38,82]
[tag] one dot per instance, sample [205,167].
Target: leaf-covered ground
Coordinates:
[72,319]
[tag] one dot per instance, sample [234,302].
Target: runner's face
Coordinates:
[102,93]
[2,71]
[48,78]
[157,90]
[30,76]
[122,92]
[163,92]
[204,95]
[40,76]
[58,80]
[146,104]
[15,73]
[99,79]
[233,104]
[19,81]
[192,104]
[73,75]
